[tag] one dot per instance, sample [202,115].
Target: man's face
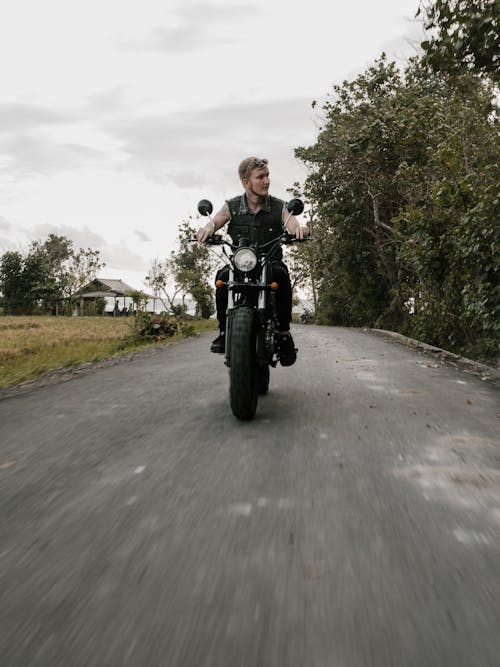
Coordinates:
[257,182]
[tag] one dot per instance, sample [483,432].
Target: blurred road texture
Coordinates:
[355,522]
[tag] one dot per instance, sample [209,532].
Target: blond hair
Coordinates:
[249,164]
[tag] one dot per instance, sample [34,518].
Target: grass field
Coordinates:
[32,345]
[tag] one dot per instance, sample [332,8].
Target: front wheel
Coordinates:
[243,390]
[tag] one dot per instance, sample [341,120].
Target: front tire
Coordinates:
[243,391]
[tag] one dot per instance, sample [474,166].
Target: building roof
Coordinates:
[107,287]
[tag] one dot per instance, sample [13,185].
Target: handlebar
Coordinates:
[214,239]
[285,238]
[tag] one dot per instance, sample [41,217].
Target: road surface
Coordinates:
[354,522]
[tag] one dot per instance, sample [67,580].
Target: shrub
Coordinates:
[151,327]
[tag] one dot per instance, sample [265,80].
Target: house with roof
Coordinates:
[106,287]
[115,292]
[117,299]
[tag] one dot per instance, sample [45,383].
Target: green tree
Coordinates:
[46,276]
[139,298]
[192,268]
[24,282]
[449,238]
[51,257]
[302,259]
[82,268]
[63,270]
[405,208]
[464,35]
[17,291]
[161,280]
[351,191]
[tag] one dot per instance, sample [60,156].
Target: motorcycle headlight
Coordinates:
[245,259]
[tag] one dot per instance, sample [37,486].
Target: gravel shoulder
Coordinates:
[486,373]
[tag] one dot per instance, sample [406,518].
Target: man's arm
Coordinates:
[293,226]
[218,221]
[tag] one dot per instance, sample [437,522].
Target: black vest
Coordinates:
[260,227]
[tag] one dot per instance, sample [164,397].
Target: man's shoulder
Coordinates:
[275,204]
[276,199]
[241,197]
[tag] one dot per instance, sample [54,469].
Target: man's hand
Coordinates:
[302,232]
[205,232]
[293,226]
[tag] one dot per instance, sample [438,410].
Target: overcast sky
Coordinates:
[117,116]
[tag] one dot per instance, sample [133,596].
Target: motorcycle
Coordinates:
[305,316]
[252,327]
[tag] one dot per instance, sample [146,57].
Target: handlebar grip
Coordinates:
[215,239]
[211,240]
[291,238]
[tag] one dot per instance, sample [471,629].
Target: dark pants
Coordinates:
[283,296]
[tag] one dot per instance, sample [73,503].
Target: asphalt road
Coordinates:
[354,522]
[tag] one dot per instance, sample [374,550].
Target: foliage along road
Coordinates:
[355,521]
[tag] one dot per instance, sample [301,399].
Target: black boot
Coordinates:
[286,350]
[219,344]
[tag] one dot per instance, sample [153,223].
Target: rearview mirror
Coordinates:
[295,206]
[205,207]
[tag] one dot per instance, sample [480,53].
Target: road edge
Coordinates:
[486,373]
[66,373]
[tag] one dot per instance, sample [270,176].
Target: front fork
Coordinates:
[265,342]
[265,334]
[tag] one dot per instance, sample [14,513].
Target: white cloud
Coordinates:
[117,117]
[194,25]
[116,254]
[31,154]
[142,236]
[4,224]
[81,237]
[120,256]
[20,116]
[203,146]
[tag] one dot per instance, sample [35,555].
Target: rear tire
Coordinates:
[243,370]
[263,379]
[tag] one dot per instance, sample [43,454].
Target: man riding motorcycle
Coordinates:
[257,216]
